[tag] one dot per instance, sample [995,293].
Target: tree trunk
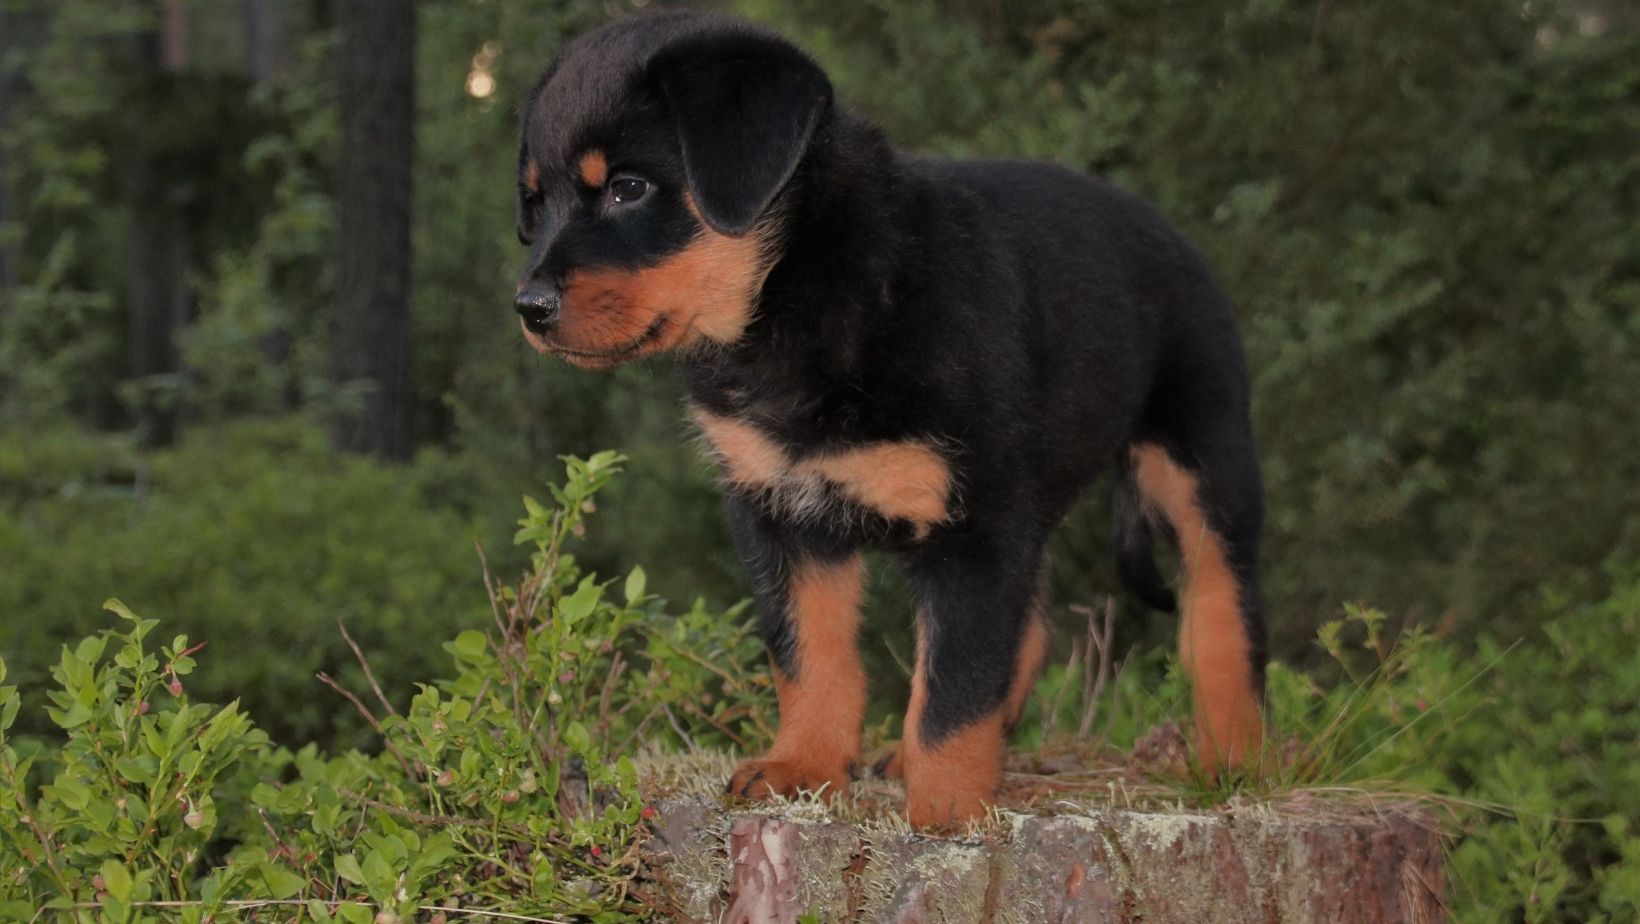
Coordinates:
[369,347]
[258,40]
[8,249]
[157,297]
[157,234]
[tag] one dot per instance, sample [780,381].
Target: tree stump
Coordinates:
[1075,859]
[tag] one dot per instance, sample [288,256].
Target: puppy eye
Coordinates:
[628,189]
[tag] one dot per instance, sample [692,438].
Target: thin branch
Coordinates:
[1050,718]
[678,727]
[369,674]
[1096,676]
[370,717]
[436,821]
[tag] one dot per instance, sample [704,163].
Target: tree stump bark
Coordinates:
[1080,861]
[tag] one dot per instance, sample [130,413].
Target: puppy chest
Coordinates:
[905,480]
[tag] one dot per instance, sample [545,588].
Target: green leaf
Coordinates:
[576,736]
[380,876]
[71,793]
[116,879]
[113,605]
[347,867]
[635,585]
[90,649]
[280,882]
[579,605]
[136,769]
[470,646]
[10,702]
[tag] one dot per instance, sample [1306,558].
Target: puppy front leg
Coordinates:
[808,595]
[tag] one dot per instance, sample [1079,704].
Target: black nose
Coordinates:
[538,307]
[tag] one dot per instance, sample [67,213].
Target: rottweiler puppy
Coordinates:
[882,350]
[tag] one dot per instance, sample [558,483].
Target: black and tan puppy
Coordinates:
[929,357]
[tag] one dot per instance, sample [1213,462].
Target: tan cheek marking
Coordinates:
[725,275]
[749,459]
[532,177]
[902,481]
[705,290]
[594,169]
[1213,643]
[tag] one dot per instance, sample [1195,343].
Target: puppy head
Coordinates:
[651,156]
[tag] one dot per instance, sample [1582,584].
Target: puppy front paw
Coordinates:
[766,777]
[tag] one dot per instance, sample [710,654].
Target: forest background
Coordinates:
[259,372]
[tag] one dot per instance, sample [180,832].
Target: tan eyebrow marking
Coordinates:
[594,168]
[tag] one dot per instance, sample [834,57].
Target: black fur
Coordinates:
[1031,322]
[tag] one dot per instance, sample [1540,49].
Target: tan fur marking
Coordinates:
[902,481]
[822,707]
[1213,643]
[749,459]
[956,779]
[1033,653]
[594,169]
[532,177]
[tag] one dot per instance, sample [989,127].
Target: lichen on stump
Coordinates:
[1079,858]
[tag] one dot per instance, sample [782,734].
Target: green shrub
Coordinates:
[507,786]
[1530,746]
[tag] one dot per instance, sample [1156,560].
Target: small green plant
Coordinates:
[508,785]
[132,803]
[1393,698]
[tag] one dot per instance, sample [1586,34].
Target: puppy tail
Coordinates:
[1135,539]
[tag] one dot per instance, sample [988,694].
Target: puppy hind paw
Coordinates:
[890,765]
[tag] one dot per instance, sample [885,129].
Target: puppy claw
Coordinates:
[889,766]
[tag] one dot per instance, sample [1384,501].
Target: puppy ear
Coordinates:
[746,106]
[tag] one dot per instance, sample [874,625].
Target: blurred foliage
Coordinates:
[250,534]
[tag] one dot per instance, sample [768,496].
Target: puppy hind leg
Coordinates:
[1028,664]
[1215,521]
